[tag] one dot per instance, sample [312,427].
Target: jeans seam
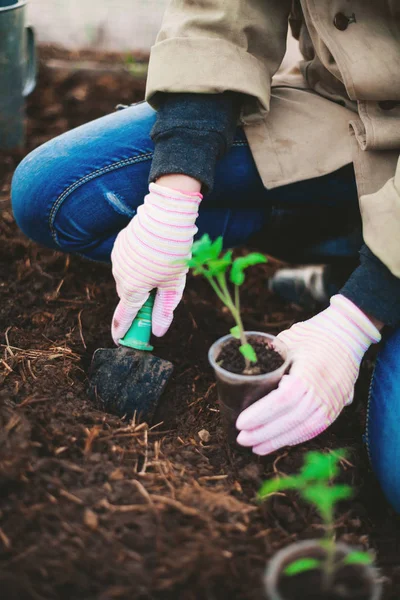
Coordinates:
[89,177]
[367,444]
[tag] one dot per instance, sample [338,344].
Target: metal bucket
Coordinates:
[17,71]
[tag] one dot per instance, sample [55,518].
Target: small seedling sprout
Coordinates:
[314,484]
[209,260]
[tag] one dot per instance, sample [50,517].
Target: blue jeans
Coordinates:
[76,192]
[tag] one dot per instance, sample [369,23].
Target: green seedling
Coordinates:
[314,484]
[209,260]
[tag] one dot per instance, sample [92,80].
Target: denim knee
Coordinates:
[60,191]
[44,199]
[31,196]
[383,431]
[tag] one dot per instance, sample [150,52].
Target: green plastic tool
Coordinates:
[138,336]
[129,380]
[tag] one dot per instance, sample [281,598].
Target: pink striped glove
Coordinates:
[145,257]
[326,352]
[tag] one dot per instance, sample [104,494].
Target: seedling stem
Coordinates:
[208,260]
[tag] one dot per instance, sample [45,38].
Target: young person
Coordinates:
[230,150]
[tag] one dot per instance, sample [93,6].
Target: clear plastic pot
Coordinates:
[312,549]
[237,392]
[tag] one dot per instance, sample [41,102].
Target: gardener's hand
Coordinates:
[146,255]
[326,352]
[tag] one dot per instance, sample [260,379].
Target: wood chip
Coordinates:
[213,477]
[61,450]
[71,497]
[204,435]
[5,539]
[90,519]
[7,366]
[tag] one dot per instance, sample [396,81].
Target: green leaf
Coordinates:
[220,265]
[254,258]
[240,264]
[358,558]
[227,257]
[340,491]
[235,331]
[202,245]
[279,484]
[248,352]
[317,495]
[190,262]
[302,566]
[207,253]
[237,274]
[216,247]
[324,498]
[320,466]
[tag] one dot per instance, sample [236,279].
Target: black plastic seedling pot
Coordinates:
[349,582]
[236,391]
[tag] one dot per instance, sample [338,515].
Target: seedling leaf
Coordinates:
[322,467]
[235,332]
[248,352]
[202,245]
[219,265]
[216,247]
[278,484]
[191,262]
[302,566]
[324,498]
[240,264]
[358,558]
[340,492]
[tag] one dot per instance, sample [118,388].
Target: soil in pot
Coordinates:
[239,387]
[350,584]
[232,360]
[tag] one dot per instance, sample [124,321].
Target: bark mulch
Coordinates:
[92,507]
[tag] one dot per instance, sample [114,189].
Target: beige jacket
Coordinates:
[341,105]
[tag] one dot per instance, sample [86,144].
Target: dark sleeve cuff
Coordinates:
[374,289]
[188,153]
[192,132]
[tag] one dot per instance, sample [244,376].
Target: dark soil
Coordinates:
[232,360]
[350,584]
[95,508]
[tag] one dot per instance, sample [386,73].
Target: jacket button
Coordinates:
[388,104]
[342,22]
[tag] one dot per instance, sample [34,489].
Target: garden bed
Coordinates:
[95,508]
